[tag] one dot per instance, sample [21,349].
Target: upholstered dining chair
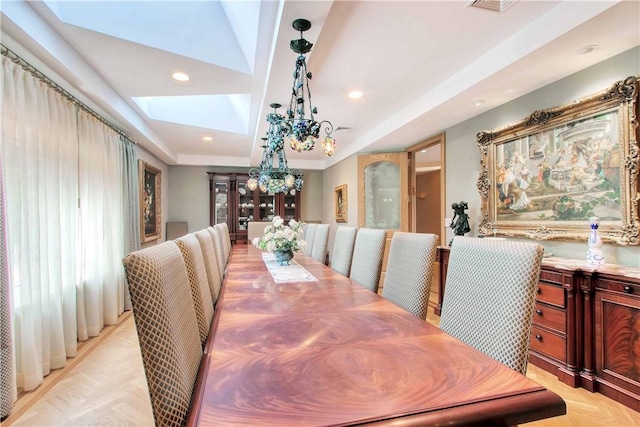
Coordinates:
[225,238]
[309,235]
[211,265]
[167,329]
[216,236]
[342,251]
[368,252]
[407,280]
[320,239]
[200,292]
[490,295]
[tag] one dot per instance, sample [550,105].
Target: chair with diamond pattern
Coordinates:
[167,329]
[407,280]
[368,252]
[343,249]
[211,264]
[320,239]
[490,296]
[309,235]
[200,292]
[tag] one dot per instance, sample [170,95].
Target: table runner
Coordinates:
[293,272]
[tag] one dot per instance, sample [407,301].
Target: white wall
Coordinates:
[463,156]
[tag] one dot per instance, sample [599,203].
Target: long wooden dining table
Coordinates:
[330,352]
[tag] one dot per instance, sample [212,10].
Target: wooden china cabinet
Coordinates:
[231,202]
[586,325]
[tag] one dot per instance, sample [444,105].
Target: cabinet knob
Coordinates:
[628,289]
[539,338]
[539,312]
[538,290]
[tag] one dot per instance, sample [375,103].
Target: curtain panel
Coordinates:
[67,202]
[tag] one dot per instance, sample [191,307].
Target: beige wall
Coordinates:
[345,172]
[311,199]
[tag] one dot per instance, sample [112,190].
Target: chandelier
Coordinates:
[268,178]
[302,130]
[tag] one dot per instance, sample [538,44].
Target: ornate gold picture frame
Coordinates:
[543,177]
[341,203]
[150,211]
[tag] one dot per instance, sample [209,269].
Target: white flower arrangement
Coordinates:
[278,236]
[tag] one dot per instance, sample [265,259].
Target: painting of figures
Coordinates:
[548,175]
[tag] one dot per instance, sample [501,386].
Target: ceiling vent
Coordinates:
[493,5]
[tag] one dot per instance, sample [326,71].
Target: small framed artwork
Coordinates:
[547,175]
[341,203]
[150,213]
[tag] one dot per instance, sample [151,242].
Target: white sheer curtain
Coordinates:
[101,289]
[40,162]
[70,212]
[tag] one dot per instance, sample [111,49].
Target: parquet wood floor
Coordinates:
[105,386]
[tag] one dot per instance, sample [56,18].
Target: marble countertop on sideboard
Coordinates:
[576,264]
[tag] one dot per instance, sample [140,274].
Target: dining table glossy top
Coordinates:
[330,352]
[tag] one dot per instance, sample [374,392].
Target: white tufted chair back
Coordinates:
[490,296]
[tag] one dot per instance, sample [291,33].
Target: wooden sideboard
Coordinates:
[586,325]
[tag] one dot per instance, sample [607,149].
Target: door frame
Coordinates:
[412,150]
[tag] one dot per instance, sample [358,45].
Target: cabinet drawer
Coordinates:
[548,344]
[550,294]
[550,317]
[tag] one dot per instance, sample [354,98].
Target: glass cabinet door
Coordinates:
[289,207]
[245,205]
[221,208]
[266,207]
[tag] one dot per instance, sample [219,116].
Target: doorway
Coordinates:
[427,177]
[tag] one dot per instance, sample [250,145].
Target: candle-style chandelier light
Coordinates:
[302,130]
[268,178]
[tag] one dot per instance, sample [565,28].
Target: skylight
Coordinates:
[229,113]
[223,33]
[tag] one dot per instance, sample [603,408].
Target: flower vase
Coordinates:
[595,256]
[283,256]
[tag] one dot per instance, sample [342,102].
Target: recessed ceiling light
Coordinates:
[423,151]
[587,49]
[207,138]
[478,102]
[355,94]
[181,77]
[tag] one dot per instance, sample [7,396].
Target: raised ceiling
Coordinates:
[421,65]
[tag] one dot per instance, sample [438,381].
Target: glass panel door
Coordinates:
[221,209]
[382,196]
[245,205]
